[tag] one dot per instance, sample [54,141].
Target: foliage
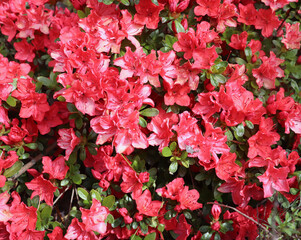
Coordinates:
[150,119]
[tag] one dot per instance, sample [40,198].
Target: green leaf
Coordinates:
[95,194]
[32,145]
[108,201]
[150,112]
[78,122]
[142,122]
[166,152]
[248,53]
[82,154]
[11,101]
[108,2]
[219,67]
[125,2]
[206,236]
[161,227]
[179,26]
[64,182]
[295,86]
[81,14]
[217,236]
[205,228]
[51,83]
[294,191]
[240,61]
[249,124]
[82,193]
[173,146]
[169,41]
[151,236]
[76,179]
[135,237]
[200,176]
[226,226]
[109,219]
[229,135]
[46,212]
[155,2]
[173,167]
[170,214]
[240,130]
[13,169]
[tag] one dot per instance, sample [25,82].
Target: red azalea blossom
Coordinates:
[42,188]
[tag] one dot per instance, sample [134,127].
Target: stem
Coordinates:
[127,161]
[32,162]
[287,14]
[241,213]
[58,198]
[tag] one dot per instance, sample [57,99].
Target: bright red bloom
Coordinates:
[239,41]
[292,37]
[172,189]
[160,126]
[274,179]
[57,169]
[207,7]
[146,206]
[259,144]
[94,218]
[267,21]
[148,13]
[24,217]
[187,43]
[226,166]
[131,183]
[247,14]
[183,229]
[267,72]
[77,230]
[42,188]
[24,51]
[57,234]
[188,199]
[274,5]
[32,235]
[204,57]
[68,140]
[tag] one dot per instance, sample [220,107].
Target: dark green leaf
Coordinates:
[206,236]
[179,26]
[248,53]
[151,236]
[142,122]
[13,169]
[32,145]
[81,14]
[150,112]
[295,86]
[108,201]
[229,135]
[240,61]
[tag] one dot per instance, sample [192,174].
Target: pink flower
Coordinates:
[68,140]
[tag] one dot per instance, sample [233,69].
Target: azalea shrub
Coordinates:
[150,119]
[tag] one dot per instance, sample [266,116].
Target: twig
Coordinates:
[241,213]
[32,162]
[59,196]
[287,14]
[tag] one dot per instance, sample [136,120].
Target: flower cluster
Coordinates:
[149,119]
